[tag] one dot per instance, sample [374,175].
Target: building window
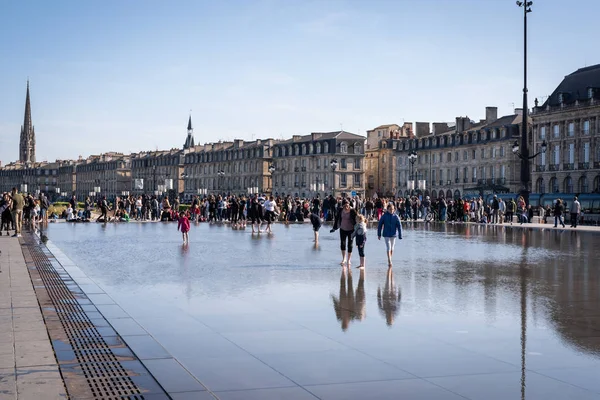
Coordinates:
[465,156]
[590,93]
[318,146]
[356,179]
[343,163]
[543,132]
[318,163]
[383,159]
[343,180]
[357,163]
[586,127]
[556,154]
[482,154]
[474,155]
[571,153]
[449,157]
[343,148]
[474,173]
[556,131]
[502,151]
[571,129]
[326,147]
[560,98]
[433,175]
[357,148]
[586,152]
[543,159]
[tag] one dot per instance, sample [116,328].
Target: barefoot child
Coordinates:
[360,233]
[316,223]
[389,225]
[184,226]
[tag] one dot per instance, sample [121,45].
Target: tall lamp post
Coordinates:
[524,153]
[333,164]
[412,158]
[221,174]
[271,171]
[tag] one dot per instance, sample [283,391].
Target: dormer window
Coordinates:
[343,147]
[560,98]
[356,148]
[590,93]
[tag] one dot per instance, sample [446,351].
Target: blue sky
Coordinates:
[124,75]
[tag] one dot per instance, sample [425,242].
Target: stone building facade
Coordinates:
[37,177]
[228,167]
[379,171]
[303,164]
[111,172]
[157,171]
[467,159]
[569,121]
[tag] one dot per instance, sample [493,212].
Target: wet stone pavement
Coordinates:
[475,312]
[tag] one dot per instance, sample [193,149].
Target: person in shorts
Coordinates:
[316,224]
[390,226]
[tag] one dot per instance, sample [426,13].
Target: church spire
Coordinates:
[27,142]
[189,141]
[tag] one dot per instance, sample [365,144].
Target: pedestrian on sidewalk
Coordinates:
[18,202]
[5,213]
[575,212]
[389,225]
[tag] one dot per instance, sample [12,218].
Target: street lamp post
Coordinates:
[412,158]
[525,165]
[272,169]
[333,164]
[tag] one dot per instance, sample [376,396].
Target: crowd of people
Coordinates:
[18,209]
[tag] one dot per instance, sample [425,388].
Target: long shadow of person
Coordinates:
[388,300]
[350,305]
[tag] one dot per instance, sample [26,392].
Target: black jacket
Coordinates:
[338,218]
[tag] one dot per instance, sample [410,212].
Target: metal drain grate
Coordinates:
[106,377]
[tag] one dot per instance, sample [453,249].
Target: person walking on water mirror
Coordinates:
[345,220]
[389,225]
[350,305]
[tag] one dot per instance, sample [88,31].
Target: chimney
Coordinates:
[316,136]
[440,127]
[422,129]
[459,124]
[238,143]
[491,114]
[296,138]
[519,111]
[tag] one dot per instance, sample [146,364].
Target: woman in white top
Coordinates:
[269,206]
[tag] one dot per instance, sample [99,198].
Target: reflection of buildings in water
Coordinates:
[388,300]
[349,305]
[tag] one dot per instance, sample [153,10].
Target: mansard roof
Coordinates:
[575,86]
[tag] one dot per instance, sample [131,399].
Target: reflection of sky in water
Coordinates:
[450,279]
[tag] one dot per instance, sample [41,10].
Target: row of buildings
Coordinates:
[319,163]
[464,158]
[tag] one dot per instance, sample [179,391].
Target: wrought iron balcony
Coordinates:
[303,169]
[473,180]
[554,167]
[296,169]
[296,184]
[500,181]
[540,168]
[584,165]
[568,166]
[441,183]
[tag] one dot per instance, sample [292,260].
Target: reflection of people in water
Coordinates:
[350,305]
[389,300]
